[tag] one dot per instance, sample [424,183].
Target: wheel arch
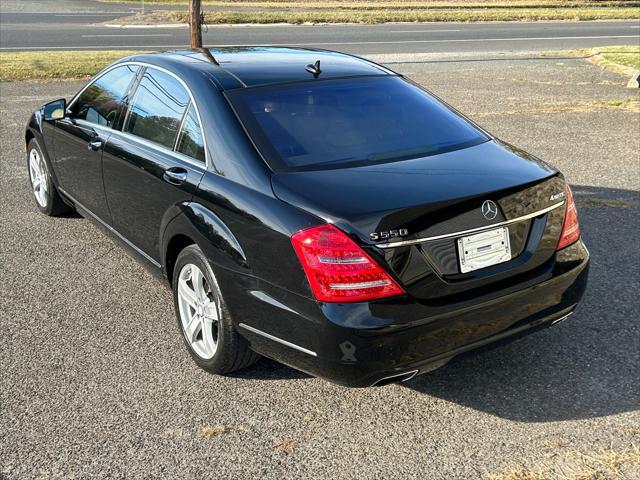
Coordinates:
[28,136]
[176,244]
[192,223]
[34,130]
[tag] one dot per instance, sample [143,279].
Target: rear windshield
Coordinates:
[335,123]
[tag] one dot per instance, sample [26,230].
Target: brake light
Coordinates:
[338,270]
[570,227]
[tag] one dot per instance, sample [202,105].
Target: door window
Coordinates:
[157,109]
[99,103]
[190,140]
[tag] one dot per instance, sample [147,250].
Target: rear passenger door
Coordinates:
[155,161]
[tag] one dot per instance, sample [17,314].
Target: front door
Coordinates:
[80,137]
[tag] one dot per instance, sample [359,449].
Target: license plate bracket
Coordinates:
[484,249]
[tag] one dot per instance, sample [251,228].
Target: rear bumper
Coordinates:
[363,344]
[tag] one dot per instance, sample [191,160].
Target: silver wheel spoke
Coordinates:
[187,293]
[197,282]
[193,328]
[38,172]
[43,183]
[207,336]
[199,314]
[211,311]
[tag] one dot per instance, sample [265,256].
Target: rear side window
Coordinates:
[334,123]
[157,108]
[190,140]
[99,103]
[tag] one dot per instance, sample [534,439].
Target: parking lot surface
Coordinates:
[95,381]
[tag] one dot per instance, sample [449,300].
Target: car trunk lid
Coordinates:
[391,208]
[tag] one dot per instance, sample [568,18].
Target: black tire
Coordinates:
[52,205]
[232,352]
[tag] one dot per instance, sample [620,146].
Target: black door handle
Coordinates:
[175,175]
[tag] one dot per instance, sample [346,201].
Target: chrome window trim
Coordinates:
[472,230]
[278,340]
[111,229]
[147,143]
[180,128]
[207,162]
[132,99]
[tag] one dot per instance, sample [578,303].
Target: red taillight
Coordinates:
[339,270]
[570,227]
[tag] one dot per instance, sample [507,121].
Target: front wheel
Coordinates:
[203,318]
[44,191]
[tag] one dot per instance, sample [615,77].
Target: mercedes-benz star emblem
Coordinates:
[489,209]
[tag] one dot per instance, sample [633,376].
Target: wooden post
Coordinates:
[195,30]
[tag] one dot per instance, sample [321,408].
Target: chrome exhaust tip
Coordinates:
[400,377]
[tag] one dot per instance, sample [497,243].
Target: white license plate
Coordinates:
[484,249]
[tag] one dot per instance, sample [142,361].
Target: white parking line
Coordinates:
[398,42]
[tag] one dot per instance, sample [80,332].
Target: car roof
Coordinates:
[239,67]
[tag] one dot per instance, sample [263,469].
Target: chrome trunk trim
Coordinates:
[472,230]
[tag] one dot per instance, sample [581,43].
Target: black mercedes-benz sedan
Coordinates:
[312,207]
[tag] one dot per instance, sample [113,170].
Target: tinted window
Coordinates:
[100,101]
[355,121]
[190,141]
[157,108]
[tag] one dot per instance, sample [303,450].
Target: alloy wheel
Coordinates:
[39,177]
[199,311]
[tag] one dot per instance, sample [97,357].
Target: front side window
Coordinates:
[338,123]
[99,103]
[190,140]
[157,108]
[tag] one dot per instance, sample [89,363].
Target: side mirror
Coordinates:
[55,110]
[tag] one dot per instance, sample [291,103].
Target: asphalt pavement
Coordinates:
[79,24]
[95,381]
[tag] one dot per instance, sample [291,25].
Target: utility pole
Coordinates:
[195,24]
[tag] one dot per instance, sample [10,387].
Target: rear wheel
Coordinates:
[203,318]
[45,194]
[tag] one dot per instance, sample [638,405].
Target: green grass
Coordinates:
[625,55]
[61,65]
[379,11]
[623,59]
[58,65]
[435,15]
[395,4]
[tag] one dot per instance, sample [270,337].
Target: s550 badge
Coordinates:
[401,232]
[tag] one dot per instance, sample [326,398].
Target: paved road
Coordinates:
[70,24]
[95,381]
